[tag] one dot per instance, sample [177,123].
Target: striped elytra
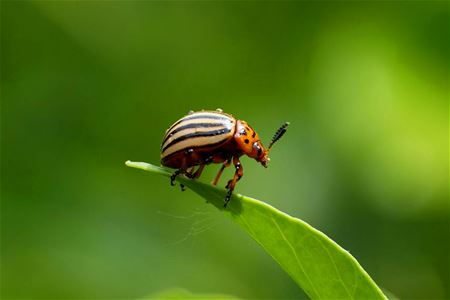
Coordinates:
[206,137]
[204,129]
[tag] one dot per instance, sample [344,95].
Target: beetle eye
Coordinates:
[258,148]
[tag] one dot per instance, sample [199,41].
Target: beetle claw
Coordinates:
[227,198]
[173,177]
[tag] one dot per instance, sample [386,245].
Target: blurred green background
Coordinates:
[87,85]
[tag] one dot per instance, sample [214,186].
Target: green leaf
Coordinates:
[316,263]
[182,294]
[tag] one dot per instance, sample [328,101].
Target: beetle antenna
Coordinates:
[280,132]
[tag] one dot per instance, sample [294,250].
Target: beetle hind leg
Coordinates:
[194,175]
[198,172]
[189,173]
[174,176]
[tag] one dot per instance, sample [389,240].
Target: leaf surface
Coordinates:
[181,294]
[316,263]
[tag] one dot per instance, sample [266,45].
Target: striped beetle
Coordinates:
[205,137]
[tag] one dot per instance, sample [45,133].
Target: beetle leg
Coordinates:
[182,170]
[198,172]
[208,160]
[189,172]
[225,164]
[194,175]
[174,176]
[232,183]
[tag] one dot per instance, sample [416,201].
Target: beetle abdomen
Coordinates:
[204,129]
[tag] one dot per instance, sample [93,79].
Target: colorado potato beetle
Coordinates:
[205,137]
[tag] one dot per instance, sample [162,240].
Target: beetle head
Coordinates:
[249,143]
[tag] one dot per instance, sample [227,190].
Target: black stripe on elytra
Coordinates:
[192,125]
[196,135]
[168,157]
[200,116]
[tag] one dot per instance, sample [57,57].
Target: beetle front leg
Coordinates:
[232,183]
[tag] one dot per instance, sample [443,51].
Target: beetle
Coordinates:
[205,137]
